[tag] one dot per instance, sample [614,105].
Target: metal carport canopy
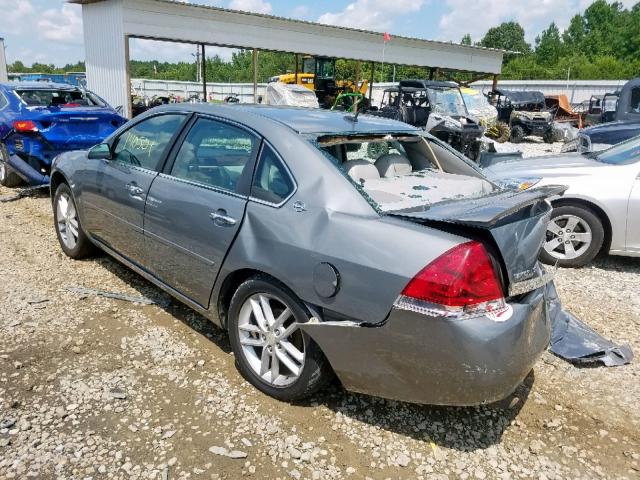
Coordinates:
[108,23]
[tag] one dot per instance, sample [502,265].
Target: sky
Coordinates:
[50,31]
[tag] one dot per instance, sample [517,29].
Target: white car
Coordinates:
[599,212]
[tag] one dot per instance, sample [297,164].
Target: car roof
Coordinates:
[38,85]
[417,83]
[300,120]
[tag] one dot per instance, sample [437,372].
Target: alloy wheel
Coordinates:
[67,220]
[3,170]
[568,237]
[271,341]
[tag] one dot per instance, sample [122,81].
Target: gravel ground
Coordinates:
[93,388]
[530,147]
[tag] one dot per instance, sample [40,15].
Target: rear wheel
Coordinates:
[574,237]
[517,134]
[8,178]
[73,240]
[271,351]
[503,132]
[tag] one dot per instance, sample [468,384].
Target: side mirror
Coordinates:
[100,151]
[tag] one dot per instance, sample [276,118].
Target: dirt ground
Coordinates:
[93,388]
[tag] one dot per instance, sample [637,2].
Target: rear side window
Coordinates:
[635,100]
[144,144]
[215,153]
[272,183]
[3,101]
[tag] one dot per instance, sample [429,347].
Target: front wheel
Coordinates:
[271,351]
[73,240]
[574,237]
[517,134]
[549,136]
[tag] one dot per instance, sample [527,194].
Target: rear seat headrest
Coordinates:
[393,164]
[360,170]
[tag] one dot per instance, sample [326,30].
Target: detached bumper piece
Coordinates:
[578,343]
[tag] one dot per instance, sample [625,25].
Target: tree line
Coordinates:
[603,42]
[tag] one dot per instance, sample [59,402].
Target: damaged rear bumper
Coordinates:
[433,360]
[27,172]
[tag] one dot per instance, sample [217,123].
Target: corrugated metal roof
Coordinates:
[305,22]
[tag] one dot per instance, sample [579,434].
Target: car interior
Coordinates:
[405,172]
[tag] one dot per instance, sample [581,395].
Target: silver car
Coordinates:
[324,243]
[599,212]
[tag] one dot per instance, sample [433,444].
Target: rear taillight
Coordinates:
[24,126]
[460,283]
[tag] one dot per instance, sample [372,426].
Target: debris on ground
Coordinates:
[24,192]
[576,342]
[86,292]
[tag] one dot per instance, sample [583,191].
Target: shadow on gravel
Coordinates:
[461,428]
[189,317]
[617,264]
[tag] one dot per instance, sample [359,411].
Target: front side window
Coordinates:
[271,183]
[143,145]
[215,154]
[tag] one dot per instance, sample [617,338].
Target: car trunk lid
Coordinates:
[513,222]
[74,128]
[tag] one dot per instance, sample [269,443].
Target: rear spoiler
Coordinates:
[484,211]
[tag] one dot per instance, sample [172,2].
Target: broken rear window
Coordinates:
[403,172]
[50,98]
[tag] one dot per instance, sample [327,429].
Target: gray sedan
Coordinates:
[599,212]
[324,244]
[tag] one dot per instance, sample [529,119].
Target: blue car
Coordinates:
[41,120]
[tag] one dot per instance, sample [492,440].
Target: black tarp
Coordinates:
[523,97]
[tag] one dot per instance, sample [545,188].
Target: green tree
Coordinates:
[466,39]
[549,46]
[506,36]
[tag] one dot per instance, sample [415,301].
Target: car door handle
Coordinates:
[221,218]
[134,190]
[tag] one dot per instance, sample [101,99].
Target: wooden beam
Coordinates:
[203,69]
[255,75]
[373,69]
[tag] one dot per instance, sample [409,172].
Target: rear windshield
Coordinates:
[50,98]
[403,172]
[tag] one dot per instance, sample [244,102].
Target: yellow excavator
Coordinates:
[318,74]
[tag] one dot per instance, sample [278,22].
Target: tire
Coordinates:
[78,245]
[548,136]
[504,132]
[251,343]
[589,227]
[8,177]
[517,134]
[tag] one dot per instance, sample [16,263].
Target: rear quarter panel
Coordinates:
[375,256]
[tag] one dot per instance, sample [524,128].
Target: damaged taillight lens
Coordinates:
[461,282]
[25,126]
